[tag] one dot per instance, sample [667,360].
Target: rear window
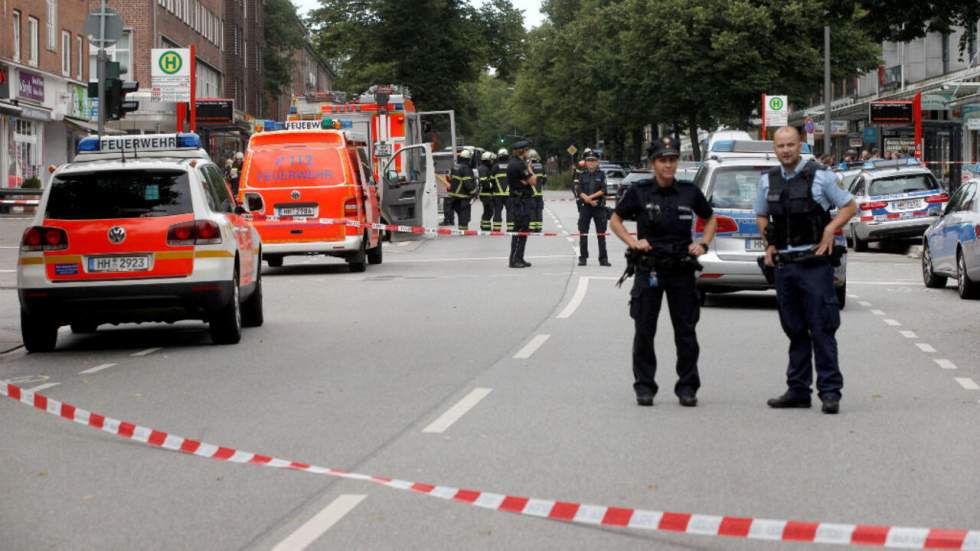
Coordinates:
[119,194]
[736,187]
[905,183]
[298,165]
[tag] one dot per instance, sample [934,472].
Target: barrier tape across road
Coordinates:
[27,202]
[597,515]
[417,230]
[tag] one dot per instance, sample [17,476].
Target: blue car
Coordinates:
[950,248]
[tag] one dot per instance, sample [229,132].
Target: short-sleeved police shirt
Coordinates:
[591,182]
[517,173]
[671,222]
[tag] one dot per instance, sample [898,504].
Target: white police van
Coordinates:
[139,228]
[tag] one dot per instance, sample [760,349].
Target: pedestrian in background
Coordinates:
[793,212]
[590,189]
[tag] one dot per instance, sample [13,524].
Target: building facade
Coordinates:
[310,75]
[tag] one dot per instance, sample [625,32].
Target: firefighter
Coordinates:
[501,193]
[462,187]
[485,171]
[537,192]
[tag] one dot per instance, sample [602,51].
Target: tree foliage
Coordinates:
[903,20]
[283,34]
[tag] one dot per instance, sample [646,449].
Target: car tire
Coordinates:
[358,262]
[82,328]
[274,261]
[39,333]
[860,245]
[841,296]
[929,277]
[226,322]
[702,297]
[252,314]
[967,288]
[375,256]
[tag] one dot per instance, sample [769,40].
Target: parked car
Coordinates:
[687,170]
[614,179]
[949,246]
[631,179]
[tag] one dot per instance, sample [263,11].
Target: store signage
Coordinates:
[30,86]
[889,78]
[891,112]
[215,110]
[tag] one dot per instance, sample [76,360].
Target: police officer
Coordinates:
[793,211]
[590,189]
[462,187]
[537,192]
[485,171]
[520,179]
[664,211]
[501,193]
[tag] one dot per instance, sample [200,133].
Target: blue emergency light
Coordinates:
[723,146]
[88,144]
[189,140]
[869,164]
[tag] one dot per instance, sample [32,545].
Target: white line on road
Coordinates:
[7,271]
[577,298]
[853,296]
[892,323]
[878,312]
[946,364]
[454,413]
[925,347]
[864,303]
[468,259]
[909,283]
[312,529]
[967,383]
[531,347]
[146,352]
[909,334]
[96,369]
[45,386]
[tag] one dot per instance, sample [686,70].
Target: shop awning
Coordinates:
[91,127]
[9,108]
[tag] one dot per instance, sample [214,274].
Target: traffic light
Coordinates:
[115,98]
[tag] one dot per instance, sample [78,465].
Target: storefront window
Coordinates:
[23,148]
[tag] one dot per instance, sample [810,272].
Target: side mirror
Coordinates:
[254,202]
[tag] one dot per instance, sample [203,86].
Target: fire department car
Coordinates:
[139,228]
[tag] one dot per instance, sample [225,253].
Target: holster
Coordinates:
[768,272]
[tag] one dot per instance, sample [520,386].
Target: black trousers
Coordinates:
[810,316]
[685,311]
[463,209]
[518,212]
[486,217]
[447,211]
[499,204]
[588,214]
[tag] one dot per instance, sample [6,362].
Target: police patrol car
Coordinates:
[139,228]
[730,181]
[895,200]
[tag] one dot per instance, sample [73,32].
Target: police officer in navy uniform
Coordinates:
[590,189]
[664,210]
[462,187]
[520,179]
[793,211]
[501,193]
[485,172]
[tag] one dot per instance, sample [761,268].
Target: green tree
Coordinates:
[903,20]
[284,34]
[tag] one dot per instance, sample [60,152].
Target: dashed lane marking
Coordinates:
[96,369]
[45,386]
[853,296]
[312,529]
[454,413]
[909,334]
[878,312]
[892,323]
[967,383]
[7,271]
[946,364]
[531,347]
[146,352]
[577,298]
[927,348]
[865,303]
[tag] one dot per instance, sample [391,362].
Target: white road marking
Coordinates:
[7,271]
[146,352]
[471,259]
[925,347]
[878,312]
[900,283]
[531,347]
[312,529]
[45,386]
[571,239]
[892,323]
[909,334]
[967,383]
[454,413]
[577,298]
[96,369]
[865,303]
[853,296]
[9,246]
[946,364]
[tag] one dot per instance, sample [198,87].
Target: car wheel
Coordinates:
[929,277]
[841,295]
[860,245]
[374,256]
[968,289]
[252,314]
[358,262]
[226,322]
[702,297]
[39,333]
[274,261]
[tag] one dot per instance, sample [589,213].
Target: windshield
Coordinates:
[119,194]
[736,187]
[638,175]
[905,183]
[298,165]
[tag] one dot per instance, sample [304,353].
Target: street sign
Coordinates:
[382,149]
[572,150]
[777,110]
[809,127]
[170,74]
[113,27]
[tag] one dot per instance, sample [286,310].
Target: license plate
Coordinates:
[907,204]
[296,211]
[754,245]
[139,263]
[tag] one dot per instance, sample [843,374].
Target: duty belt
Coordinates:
[637,261]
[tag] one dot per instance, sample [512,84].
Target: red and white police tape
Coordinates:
[601,515]
[417,230]
[26,202]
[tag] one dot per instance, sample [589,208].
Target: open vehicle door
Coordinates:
[409,198]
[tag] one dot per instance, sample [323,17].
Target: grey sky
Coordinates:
[532,16]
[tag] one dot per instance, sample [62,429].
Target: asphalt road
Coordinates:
[361,372]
